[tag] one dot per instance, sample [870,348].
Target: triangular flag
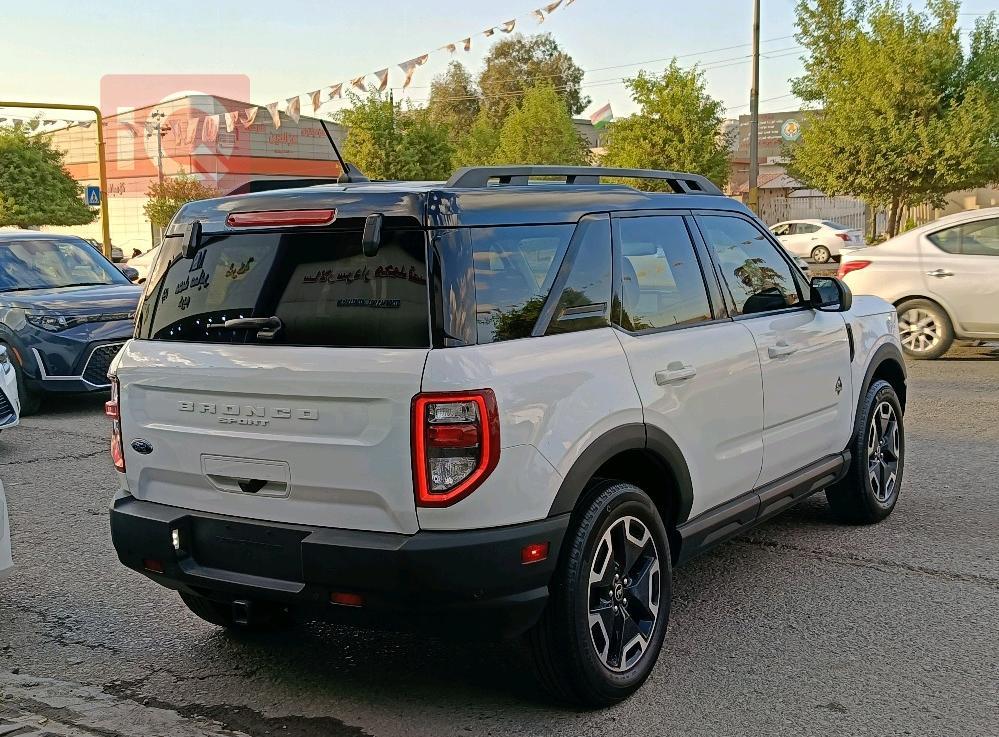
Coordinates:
[275,115]
[87,123]
[539,15]
[210,129]
[467,43]
[316,100]
[230,121]
[359,83]
[489,32]
[509,26]
[336,90]
[382,79]
[49,122]
[408,67]
[451,47]
[33,124]
[293,110]
[250,114]
[550,7]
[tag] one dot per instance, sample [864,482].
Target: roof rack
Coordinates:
[471,177]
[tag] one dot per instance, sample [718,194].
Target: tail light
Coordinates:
[843,237]
[456,444]
[112,410]
[845,267]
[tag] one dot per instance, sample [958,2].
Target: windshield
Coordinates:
[50,264]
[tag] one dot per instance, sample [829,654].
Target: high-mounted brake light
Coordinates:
[113,410]
[846,267]
[277,218]
[456,444]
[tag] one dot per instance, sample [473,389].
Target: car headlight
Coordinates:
[56,323]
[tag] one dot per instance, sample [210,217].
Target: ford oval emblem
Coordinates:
[142,446]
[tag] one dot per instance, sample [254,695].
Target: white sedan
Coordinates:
[819,240]
[942,277]
[6,561]
[143,263]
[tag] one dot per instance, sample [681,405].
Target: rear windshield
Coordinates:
[835,226]
[319,285]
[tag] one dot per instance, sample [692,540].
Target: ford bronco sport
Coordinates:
[499,402]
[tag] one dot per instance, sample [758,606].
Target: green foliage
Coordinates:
[387,142]
[540,131]
[167,198]
[515,64]
[454,101]
[478,146]
[35,188]
[906,116]
[677,128]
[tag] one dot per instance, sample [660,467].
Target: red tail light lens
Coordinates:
[843,236]
[456,444]
[278,218]
[112,410]
[846,267]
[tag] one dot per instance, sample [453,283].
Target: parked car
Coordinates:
[143,264]
[487,404]
[942,277]
[819,240]
[10,404]
[6,559]
[65,311]
[117,256]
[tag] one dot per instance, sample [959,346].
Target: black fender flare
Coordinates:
[885,352]
[634,436]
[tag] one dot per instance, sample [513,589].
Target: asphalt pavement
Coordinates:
[803,627]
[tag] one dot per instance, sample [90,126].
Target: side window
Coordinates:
[514,270]
[980,238]
[660,277]
[758,278]
[784,229]
[808,228]
[584,302]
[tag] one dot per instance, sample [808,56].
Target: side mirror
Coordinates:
[371,240]
[130,272]
[829,294]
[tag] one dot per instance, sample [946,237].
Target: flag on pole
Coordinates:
[602,116]
[293,110]
[382,76]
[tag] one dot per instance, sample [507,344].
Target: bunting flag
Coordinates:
[275,115]
[230,121]
[550,7]
[450,47]
[210,128]
[316,100]
[358,83]
[249,115]
[408,67]
[293,110]
[382,75]
[336,90]
[539,14]
[467,43]
[509,26]
[489,32]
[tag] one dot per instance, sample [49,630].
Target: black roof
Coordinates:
[473,197]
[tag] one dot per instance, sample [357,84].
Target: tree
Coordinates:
[35,188]
[905,115]
[387,142]
[540,131]
[515,64]
[677,128]
[478,146]
[166,198]
[454,101]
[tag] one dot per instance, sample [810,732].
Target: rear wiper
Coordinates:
[266,327]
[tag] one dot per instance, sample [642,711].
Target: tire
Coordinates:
[926,330]
[266,617]
[575,644]
[869,491]
[821,255]
[30,401]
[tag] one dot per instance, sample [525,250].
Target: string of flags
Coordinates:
[210,125]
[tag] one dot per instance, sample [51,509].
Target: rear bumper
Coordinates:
[447,581]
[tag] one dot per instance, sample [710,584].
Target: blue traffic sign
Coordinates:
[93,194]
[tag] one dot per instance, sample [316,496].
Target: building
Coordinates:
[197,139]
[777,133]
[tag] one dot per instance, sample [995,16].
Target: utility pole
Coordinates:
[754,116]
[158,129]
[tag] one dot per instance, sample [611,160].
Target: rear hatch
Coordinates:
[305,423]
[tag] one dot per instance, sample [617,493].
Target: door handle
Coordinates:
[781,350]
[675,372]
[940,273]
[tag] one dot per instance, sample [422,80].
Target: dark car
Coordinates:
[65,311]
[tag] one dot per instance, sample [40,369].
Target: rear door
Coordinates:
[305,424]
[961,265]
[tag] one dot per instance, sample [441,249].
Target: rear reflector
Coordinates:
[846,267]
[344,598]
[278,218]
[152,565]
[533,553]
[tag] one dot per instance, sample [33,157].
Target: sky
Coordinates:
[59,50]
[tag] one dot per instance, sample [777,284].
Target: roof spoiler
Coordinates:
[472,177]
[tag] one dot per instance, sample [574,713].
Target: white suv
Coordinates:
[487,403]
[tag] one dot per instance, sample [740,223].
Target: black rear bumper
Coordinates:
[448,581]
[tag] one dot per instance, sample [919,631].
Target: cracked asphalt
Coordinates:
[803,627]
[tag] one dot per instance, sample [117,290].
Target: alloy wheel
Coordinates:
[624,593]
[883,451]
[919,330]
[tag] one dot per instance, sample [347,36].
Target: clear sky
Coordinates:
[58,50]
